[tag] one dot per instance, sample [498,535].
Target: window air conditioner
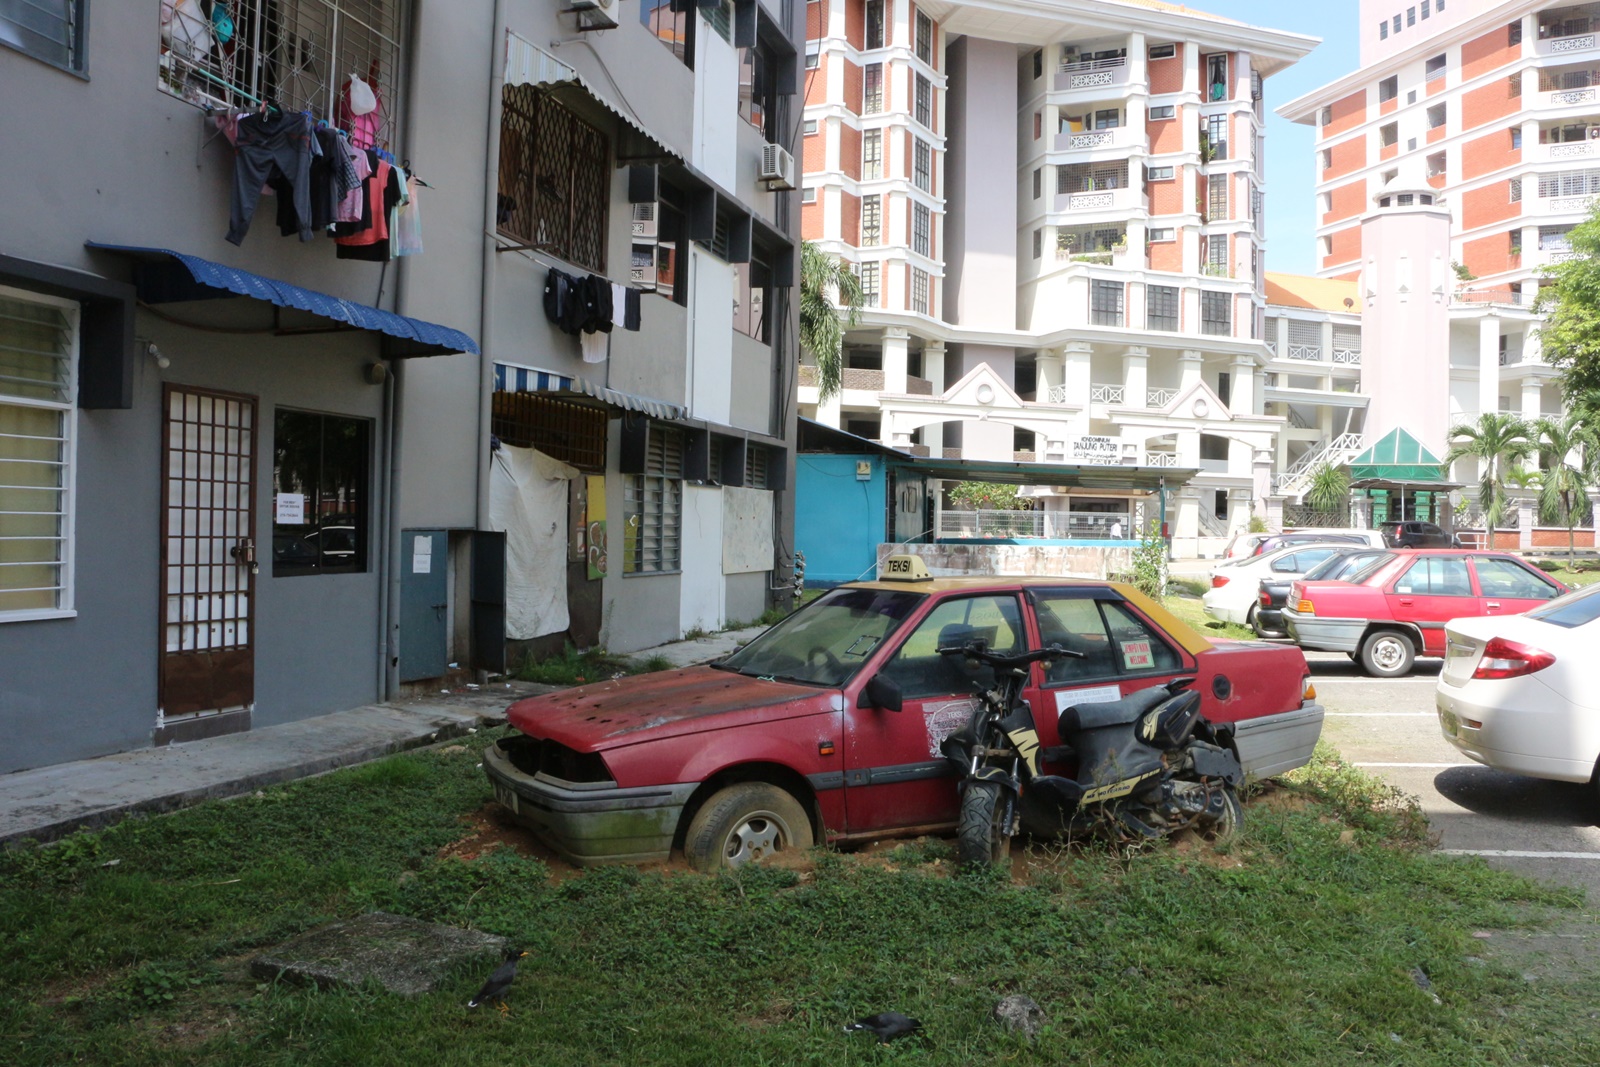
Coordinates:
[595,14]
[644,220]
[777,167]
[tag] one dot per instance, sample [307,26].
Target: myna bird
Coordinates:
[887,1025]
[499,983]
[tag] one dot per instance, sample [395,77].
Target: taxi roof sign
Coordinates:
[905,568]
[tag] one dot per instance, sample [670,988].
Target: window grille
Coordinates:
[298,54]
[922,165]
[1388,88]
[1091,177]
[874,23]
[653,502]
[925,39]
[1516,190]
[921,230]
[1436,116]
[1217,255]
[38,390]
[871,155]
[1216,315]
[1434,68]
[924,104]
[1570,183]
[1216,137]
[872,89]
[869,274]
[1388,135]
[919,291]
[1161,307]
[1105,303]
[871,220]
[1217,198]
[572,432]
[554,178]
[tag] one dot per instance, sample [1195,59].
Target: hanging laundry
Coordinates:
[596,294]
[350,208]
[369,239]
[630,314]
[594,346]
[360,109]
[619,304]
[269,145]
[407,232]
[560,299]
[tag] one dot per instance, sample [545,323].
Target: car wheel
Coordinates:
[745,823]
[984,833]
[1387,654]
[1254,622]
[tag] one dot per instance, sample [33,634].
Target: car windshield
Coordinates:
[827,641]
[1575,609]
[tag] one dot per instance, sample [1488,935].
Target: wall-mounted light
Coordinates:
[375,373]
[154,353]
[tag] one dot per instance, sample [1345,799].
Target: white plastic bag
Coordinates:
[363,101]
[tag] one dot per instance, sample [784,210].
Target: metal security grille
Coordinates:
[1091,177]
[871,154]
[921,230]
[1105,303]
[563,429]
[38,341]
[1217,198]
[919,291]
[871,220]
[1161,307]
[922,166]
[924,101]
[1215,313]
[207,551]
[296,54]
[653,502]
[554,171]
[872,89]
[869,274]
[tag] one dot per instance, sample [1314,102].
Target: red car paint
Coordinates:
[710,726]
[1401,596]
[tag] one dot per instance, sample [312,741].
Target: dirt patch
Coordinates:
[491,827]
[1567,949]
[1274,796]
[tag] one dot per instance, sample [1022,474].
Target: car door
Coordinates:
[1429,593]
[895,777]
[1120,651]
[1509,588]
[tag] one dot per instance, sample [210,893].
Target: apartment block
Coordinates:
[1058,222]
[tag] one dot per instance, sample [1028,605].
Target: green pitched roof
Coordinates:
[1397,457]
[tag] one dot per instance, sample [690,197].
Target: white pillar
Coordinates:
[1190,363]
[1243,399]
[933,365]
[1325,352]
[1075,372]
[1135,376]
[1488,364]
[828,411]
[1048,374]
[1532,398]
[896,347]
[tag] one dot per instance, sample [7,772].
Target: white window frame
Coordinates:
[66,603]
[1161,235]
[1159,112]
[1160,174]
[808,195]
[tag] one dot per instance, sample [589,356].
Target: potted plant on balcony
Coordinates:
[1120,248]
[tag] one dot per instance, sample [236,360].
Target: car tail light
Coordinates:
[1305,607]
[1266,599]
[1511,659]
[1218,581]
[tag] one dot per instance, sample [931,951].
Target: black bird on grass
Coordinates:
[499,983]
[887,1025]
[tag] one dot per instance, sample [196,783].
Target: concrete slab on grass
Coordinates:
[405,956]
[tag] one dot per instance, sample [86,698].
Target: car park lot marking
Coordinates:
[1511,853]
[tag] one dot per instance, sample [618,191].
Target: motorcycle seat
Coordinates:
[1110,713]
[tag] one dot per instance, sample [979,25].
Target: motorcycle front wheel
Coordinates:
[984,832]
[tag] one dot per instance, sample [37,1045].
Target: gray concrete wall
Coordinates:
[980,285]
[747,597]
[753,384]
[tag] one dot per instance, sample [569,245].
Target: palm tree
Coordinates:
[822,324]
[1561,492]
[1330,489]
[1495,442]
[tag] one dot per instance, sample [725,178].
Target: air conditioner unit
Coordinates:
[777,167]
[1594,133]
[644,220]
[595,14]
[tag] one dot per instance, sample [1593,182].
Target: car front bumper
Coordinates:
[1327,635]
[1527,729]
[588,823]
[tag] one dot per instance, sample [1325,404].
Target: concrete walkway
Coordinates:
[50,802]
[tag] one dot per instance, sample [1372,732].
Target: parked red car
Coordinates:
[1398,612]
[827,726]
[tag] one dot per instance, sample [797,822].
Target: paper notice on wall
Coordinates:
[1136,655]
[422,554]
[289,509]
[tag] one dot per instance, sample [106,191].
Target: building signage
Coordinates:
[1095,451]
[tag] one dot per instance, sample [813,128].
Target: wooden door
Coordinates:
[208,551]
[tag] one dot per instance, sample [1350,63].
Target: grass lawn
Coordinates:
[1296,944]
[1188,608]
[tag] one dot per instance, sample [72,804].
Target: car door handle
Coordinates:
[1492,604]
[1404,600]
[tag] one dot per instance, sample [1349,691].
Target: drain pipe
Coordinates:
[382,543]
[491,190]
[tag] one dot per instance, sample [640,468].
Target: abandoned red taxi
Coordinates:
[792,739]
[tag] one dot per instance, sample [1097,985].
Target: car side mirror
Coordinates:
[880,692]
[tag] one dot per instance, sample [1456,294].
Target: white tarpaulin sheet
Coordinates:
[528,501]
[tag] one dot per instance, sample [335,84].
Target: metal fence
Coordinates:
[1303,515]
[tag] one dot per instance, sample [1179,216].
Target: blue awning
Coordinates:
[163,276]
[511,378]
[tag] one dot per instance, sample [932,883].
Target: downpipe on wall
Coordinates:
[491,190]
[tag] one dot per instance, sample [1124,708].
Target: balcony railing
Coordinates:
[1159,398]
[1125,199]
[1347,355]
[1568,205]
[1092,73]
[1082,140]
[1571,149]
[1513,297]
[1105,394]
[1160,459]
[1306,353]
[1569,97]
[857,378]
[1058,395]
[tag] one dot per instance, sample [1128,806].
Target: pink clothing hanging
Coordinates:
[363,129]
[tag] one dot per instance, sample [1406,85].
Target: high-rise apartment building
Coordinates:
[1482,114]
[1057,219]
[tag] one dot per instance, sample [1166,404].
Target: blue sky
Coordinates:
[1291,207]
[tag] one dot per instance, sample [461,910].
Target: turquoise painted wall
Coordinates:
[838,519]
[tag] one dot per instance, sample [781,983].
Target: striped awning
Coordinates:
[512,378]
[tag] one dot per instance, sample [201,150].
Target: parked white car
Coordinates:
[1517,692]
[1235,589]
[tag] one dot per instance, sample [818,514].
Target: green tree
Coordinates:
[830,304]
[1330,488]
[1497,441]
[1563,486]
[1570,336]
[987,496]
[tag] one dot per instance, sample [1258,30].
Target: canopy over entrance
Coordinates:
[1398,459]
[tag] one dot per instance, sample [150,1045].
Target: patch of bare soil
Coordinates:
[1276,797]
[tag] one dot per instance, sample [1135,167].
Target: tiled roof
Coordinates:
[1317,294]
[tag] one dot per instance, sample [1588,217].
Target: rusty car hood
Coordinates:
[663,704]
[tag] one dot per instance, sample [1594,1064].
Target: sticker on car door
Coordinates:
[945,718]
[1099,694]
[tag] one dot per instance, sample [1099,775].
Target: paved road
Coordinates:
[1547,830]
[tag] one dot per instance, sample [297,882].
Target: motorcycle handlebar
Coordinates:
[980,653]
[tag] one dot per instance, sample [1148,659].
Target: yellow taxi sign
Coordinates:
[905,568]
